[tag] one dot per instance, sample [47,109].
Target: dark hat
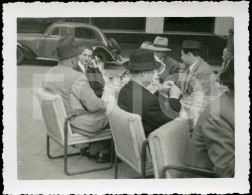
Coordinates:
[194,45]
[142,59]
[66,48]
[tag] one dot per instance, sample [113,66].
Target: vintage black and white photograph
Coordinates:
[127,98]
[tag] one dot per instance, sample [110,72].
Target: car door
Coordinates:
[51,39]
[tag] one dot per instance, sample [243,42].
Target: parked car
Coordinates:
[41,46]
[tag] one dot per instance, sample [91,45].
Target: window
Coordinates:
[55,32]
[195,24]
[64,31]
[120,23]
[84,33]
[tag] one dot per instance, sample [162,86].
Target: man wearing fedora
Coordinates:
[169,67]
[88,65]
[75,91]
[134,97]
[197,77]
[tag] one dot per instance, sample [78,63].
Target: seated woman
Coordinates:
[134,97]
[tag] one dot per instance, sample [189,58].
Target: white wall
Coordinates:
[223,24]
[154,25]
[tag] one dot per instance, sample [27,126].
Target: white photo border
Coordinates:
[238,10]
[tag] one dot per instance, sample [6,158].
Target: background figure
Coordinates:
[228,60]
[230,41]
[134,97]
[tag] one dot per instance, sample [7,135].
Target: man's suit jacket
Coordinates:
[171,71]
[229,66]
[77,95]
[136,99]
[95,79]
[200,79]
[212,146]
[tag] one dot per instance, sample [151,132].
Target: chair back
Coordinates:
[128,134]
[168,145]
[54,114]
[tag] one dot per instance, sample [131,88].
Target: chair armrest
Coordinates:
[76,113]
[80,112]
[197,171]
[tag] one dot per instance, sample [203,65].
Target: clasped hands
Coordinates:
[169,87]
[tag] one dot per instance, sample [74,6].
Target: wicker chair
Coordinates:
[59,129]
[130,141]
[168,146]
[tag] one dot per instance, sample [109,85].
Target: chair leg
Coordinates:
[112,153]
[67,172]
[55,157]
[143,158]
[116,167]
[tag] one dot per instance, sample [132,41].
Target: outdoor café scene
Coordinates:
[125,98]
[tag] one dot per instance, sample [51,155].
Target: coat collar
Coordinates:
[77,68]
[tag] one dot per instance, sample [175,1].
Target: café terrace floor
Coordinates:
[32,161]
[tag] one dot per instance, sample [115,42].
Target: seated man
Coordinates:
[169,67]
[212,146]
[87,64]
[134,97]
[197,76]
[76,92]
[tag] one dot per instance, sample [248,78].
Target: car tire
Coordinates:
[102,56]
[20,56]
[115,45]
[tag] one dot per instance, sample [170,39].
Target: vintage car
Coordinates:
[41,46]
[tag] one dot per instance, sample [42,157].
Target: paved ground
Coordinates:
[33,164]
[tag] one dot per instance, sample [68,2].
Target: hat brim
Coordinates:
[153,48]
[141,66]
[73,52]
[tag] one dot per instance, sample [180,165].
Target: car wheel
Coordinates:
[20,56]
[115,45]
[102,56]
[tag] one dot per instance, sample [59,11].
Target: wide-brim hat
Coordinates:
[66,47]
[192,45]
[142,59]
[159,44]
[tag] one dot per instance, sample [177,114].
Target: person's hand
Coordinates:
[99,63]
[182,66]
[175,92]
[166,86]
[108,98]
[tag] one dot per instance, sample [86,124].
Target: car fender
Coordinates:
[28,51]
[104,50]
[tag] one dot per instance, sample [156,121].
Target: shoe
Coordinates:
[85,152]
[102,157]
